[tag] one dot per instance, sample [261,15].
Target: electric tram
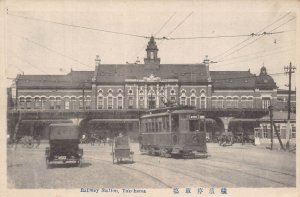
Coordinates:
[173,132]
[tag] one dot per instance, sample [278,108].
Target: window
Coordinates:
[173,99]
[193,101]
[141,102]
[72,103]
[141,92]
[183,100]
[43,102]
[151,55]
[100,102]
[265,131]
[265,102]
[130,91]
[194,125]
[67,103]
[235,102]
[202,102]
[109,102]
[37,103]
[52,102]
[293,131]
[228,102]
[249,102]
[80,103]
[22,103]
[130,102]
[172,92]
[88,102]
[58,103]
[110,91]
[120,102]
[28,103]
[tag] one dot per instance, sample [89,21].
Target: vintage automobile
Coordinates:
[64,142]
[121,149]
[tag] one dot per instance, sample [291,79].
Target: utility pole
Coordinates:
[271,124]
[289,70]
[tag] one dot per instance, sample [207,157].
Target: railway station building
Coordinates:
[138,87]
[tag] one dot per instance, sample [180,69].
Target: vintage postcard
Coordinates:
[150,98]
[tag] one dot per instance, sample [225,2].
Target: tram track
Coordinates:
[246,173]
[228,184]
[136,170]
[253,166]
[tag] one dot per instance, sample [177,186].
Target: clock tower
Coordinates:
[152,53]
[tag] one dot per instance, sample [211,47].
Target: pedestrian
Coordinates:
[38,140]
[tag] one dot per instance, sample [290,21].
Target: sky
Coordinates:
[35,46]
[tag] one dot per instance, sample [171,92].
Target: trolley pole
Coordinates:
[289,70]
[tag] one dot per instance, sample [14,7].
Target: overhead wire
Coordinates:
[254,40]
[157,32]
[54,51]
[79,26]
[238,44]
[26,61]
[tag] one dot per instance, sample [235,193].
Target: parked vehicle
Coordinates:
[64,142]
[173,132]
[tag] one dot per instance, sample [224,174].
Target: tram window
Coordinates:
[167,124]
[194,125]
[175,123]
[153,126]
[160,127]
[202,125]
[146,126]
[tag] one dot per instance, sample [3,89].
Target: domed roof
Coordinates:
[264,81]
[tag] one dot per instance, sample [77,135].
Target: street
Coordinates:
[232,166]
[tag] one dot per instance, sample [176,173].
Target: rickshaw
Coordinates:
[121,149]
[226,139]
[64,142]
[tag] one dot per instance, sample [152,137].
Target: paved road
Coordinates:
[236,166]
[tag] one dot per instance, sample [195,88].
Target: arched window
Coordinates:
[100,102]
[52,102]
[58,103]
[193,101]
[109,102]
[183,100]
[43,102]
[120,102]
[22,103]
[37,102]
[87,102]
[67,103]
[202,102]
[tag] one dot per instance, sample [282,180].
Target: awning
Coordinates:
[114,120]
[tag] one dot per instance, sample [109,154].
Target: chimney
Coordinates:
[206,63]
[97,61]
